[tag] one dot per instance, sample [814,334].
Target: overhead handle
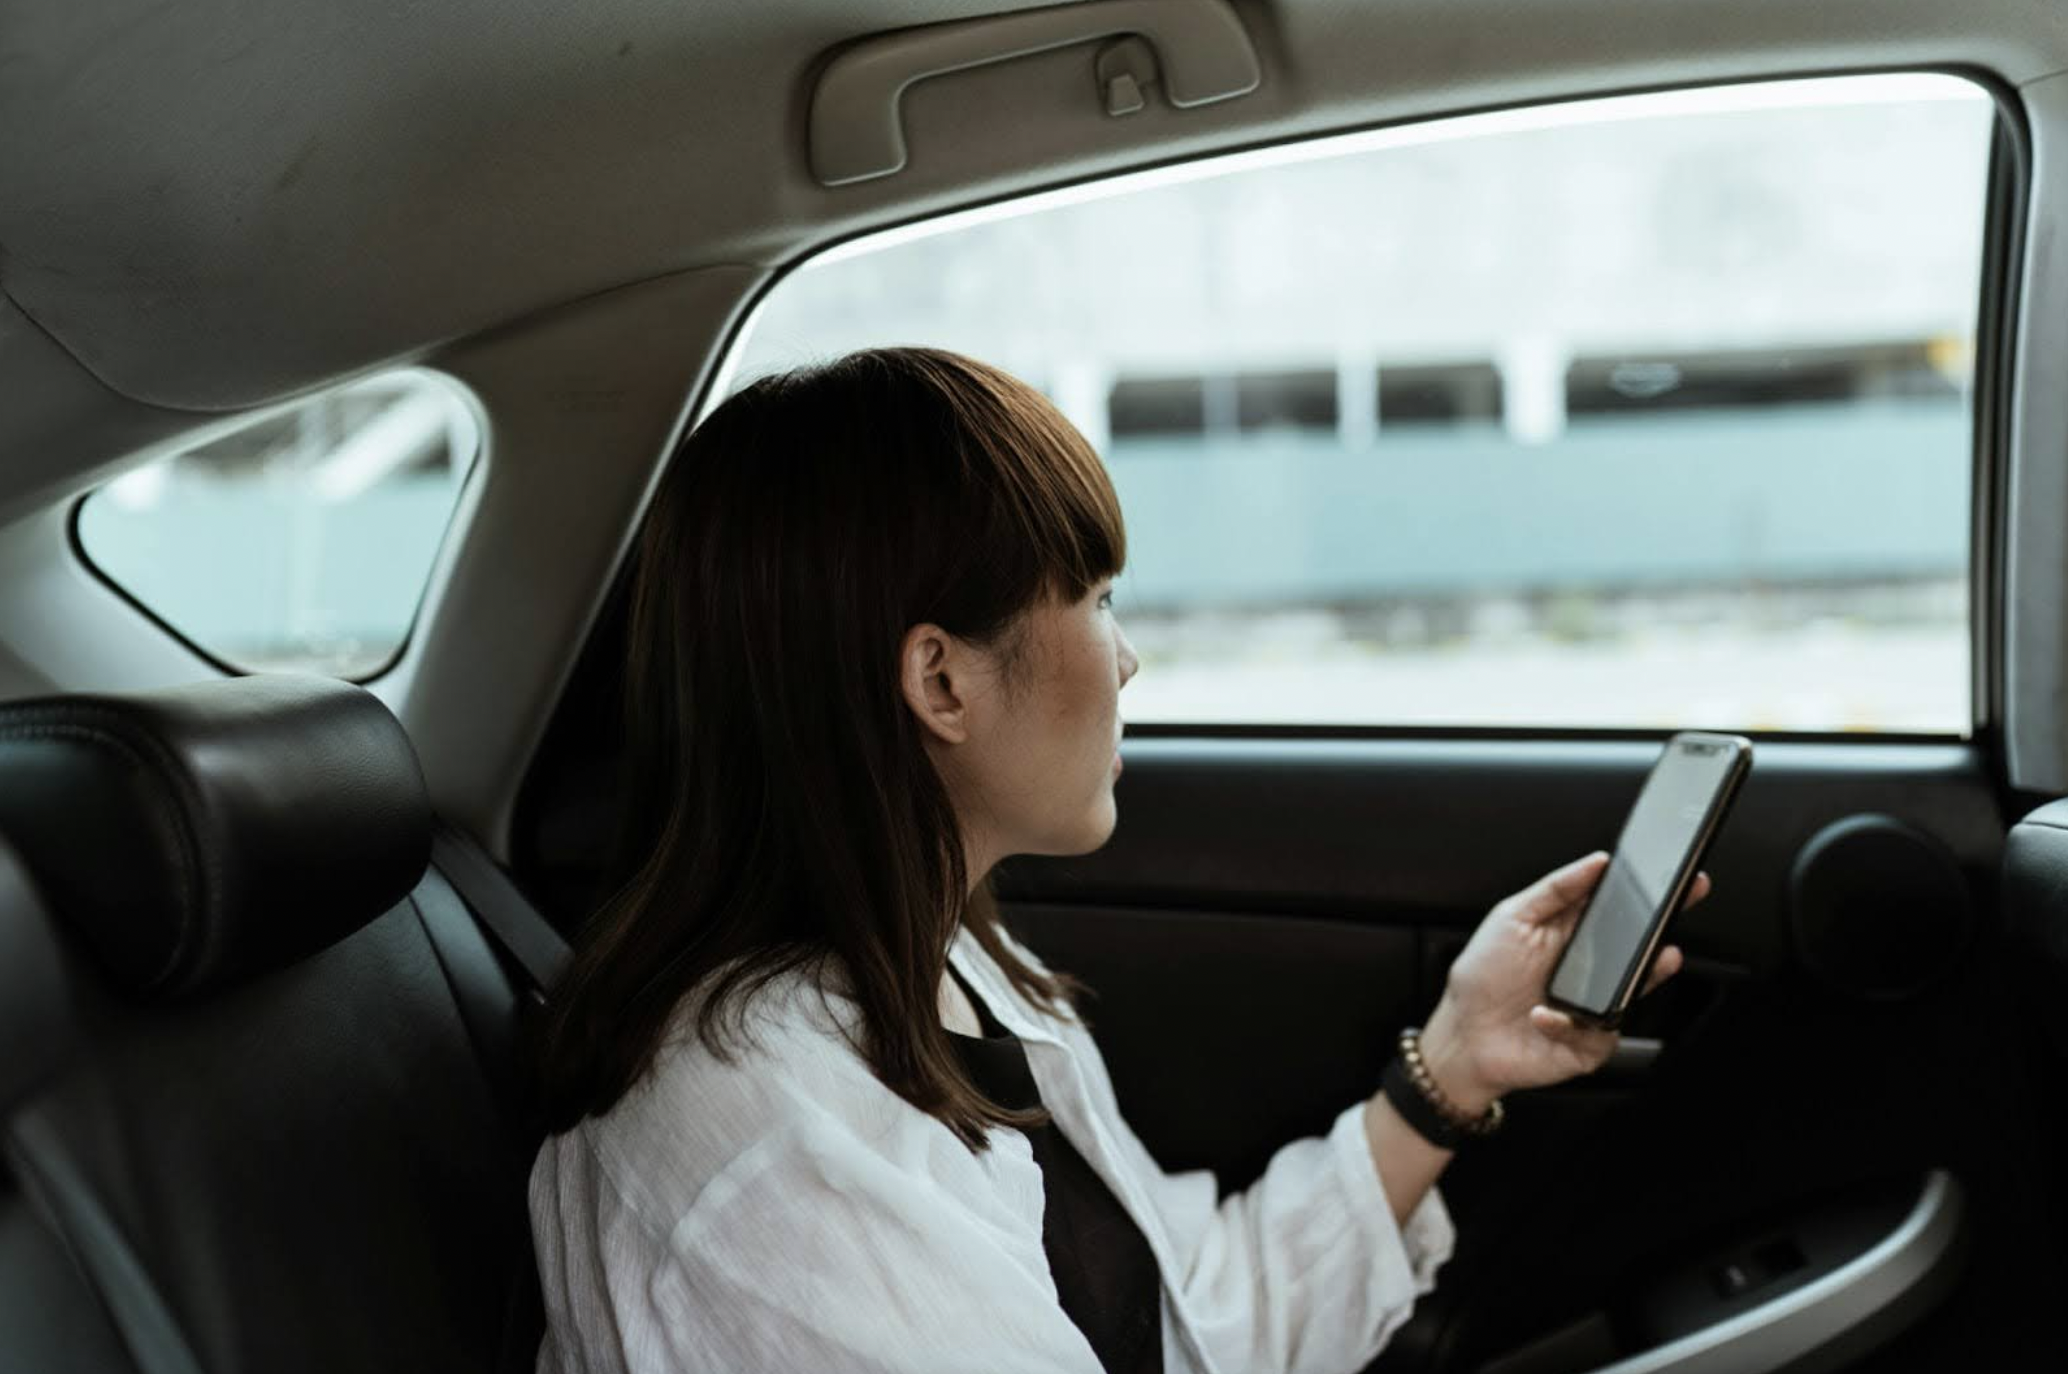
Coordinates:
[1202,51]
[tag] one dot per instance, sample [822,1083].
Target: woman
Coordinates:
[801,1077]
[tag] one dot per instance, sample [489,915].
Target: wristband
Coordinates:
[1412,1090]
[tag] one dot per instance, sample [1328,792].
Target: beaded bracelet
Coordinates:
[1412,1090]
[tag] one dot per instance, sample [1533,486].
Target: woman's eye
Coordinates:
[1105,601]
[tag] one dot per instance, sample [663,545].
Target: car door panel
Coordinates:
[1269,912]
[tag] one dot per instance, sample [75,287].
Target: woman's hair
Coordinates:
[785,814]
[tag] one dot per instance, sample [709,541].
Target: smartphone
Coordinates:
[1681,807]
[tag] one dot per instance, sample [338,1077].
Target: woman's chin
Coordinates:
[1094,827]
[1104,819]
[1097,828]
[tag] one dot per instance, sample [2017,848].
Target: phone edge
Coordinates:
[1627,993]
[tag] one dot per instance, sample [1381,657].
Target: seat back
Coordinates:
[51,1320]
[289,1098]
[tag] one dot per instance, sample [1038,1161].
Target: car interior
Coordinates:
[341,348]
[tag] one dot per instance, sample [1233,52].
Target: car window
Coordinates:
[1642,412]
[302,541]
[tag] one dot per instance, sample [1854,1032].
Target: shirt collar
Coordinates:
[988,981]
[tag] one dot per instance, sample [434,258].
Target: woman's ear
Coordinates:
[932,670]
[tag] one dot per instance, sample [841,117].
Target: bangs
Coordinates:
[1057,500]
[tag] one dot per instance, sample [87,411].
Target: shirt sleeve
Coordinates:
[1305,1271]
[821,1254]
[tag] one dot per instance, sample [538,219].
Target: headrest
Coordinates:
[35,1015]
[2035,877]
[2034,902]
[200,835]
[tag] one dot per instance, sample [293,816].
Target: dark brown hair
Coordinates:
[785,812]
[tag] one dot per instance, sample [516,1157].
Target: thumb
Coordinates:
[1560,890]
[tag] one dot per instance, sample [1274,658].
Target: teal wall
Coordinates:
[1787,494]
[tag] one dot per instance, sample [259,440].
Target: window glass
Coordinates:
[1137,406]
[302,541]
[1642,412]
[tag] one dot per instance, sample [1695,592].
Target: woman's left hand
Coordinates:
[1491,1033]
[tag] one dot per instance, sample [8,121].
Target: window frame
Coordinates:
[2000,278]
[463,490]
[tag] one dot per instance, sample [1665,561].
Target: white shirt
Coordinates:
[788,1212]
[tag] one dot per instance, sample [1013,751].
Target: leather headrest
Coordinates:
[2035,874]
[35,1014]
[2034,900]
[200,835]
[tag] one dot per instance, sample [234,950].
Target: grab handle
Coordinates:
[1204,53]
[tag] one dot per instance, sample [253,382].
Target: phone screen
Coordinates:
[1671,817]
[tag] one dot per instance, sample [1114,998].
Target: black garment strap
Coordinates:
[989,1024]
[511,920]
[67,1204]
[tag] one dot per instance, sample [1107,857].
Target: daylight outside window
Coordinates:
[300,542]
[1643,412]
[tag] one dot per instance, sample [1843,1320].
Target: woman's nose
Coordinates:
[1128,662]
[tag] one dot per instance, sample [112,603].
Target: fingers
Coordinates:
[1697,890]
[1592,1045]
[1665,966]
[1560,890]
[1589,1043]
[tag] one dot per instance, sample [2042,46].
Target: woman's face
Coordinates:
[1030,763]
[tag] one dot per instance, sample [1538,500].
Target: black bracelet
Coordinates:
[1420,1102]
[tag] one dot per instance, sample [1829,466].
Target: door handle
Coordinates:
[1204,53]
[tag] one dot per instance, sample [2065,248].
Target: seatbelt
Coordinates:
[56,1190]
[464,879]
[509,917]
[481,986]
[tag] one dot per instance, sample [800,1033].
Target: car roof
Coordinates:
[211,206]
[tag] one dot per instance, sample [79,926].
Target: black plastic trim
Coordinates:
[2007,209]
[1519,734]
